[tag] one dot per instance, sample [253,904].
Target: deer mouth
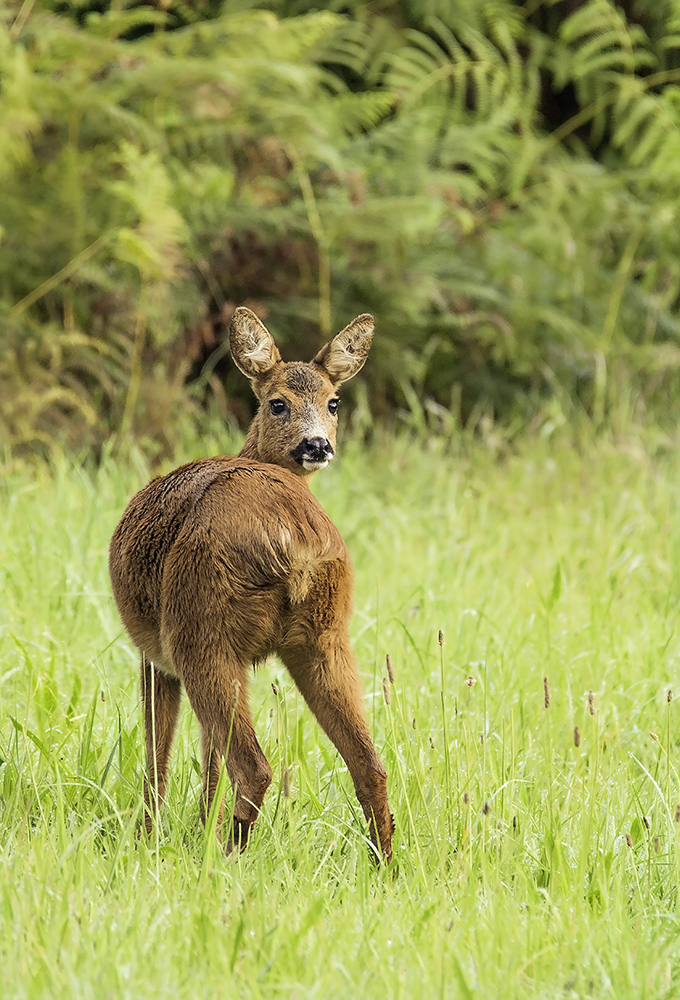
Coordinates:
[314,466]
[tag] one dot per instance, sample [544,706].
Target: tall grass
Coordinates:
[536,847]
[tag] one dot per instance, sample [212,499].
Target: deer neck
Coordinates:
[250,447]
[251,450]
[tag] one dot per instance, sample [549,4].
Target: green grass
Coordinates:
[524,865]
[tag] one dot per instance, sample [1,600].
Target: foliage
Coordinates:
[498,183]
[528,862]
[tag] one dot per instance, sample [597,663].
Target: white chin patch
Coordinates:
[313,466]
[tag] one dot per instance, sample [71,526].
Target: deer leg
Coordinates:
[161,696]
[227,732]
[326,676]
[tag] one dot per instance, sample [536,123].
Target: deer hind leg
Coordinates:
[326,675]
[161,695]
[227,732]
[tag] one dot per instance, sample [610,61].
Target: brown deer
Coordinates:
[228,560]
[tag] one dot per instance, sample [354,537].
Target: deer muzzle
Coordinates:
[313,453]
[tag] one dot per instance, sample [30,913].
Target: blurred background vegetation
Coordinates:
[498,182]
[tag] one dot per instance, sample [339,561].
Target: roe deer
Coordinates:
[227,560]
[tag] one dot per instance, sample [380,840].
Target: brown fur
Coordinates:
[227,560]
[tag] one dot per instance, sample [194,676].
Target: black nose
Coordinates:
[318,449]
[314,450]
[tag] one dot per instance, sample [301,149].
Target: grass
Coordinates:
[525,864]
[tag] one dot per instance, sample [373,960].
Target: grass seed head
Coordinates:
[466,798]
[415,724]
[431,742]
[470,681]
[285,784]
[657,845]
[275,689]
[669,696]
[546,692]
[677,813]
[386,691]
[629,840]
[440,638]
[577,736]
[591,702]
[486,808]
[646,822]
[390,668]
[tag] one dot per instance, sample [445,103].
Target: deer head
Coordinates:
[296,424]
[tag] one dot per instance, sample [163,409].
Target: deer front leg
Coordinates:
[327,679]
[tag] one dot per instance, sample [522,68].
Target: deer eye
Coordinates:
[277,407]
[333,405]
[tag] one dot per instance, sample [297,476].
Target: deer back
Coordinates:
[224,545]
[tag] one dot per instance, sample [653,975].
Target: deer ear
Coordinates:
[252,345]
[345,355]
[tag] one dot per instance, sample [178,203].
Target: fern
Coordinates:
[669,33]
[498,182]
[18,116]
[476,93]
[601,40]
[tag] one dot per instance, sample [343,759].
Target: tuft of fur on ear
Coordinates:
[252,345]
[345,355]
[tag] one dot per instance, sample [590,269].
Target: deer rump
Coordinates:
[226,560]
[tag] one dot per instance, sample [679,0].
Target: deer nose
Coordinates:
[316,449]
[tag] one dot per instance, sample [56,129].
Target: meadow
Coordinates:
[532,752]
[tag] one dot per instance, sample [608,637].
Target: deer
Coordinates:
[227,561]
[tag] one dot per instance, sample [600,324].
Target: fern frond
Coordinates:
[112,24]
[603,39]
[18,115]
[599,50]
[361,46]
[358,112]
[423,66]
[447,38]
[643,123]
